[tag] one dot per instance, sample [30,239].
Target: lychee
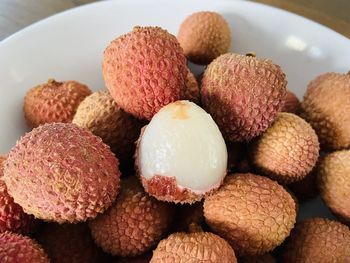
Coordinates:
[204,36]
[243,94]
[144,70]
[53,102]
[60,172]
[181,155]
[291,103]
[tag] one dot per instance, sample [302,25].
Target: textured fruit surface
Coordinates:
[12,217]
[69,243]
[134,223]
[103,117]
[15,248]
[53,102]
[334,182]
[144,70]
[318,240]
[181,154]
[265,258]
[201,247]
[191,91]
[60,172]
[204,36]
[253,213]
[291,103]
[287,151]
[326,107]
[243,94]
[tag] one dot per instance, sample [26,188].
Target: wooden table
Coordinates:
[16,14]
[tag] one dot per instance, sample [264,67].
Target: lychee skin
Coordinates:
[12,217]
[144,70]
[253,213]
[291,103]
[287,151]
[243,94]
[53,102]
[103,117]
[193,247]
[334,182]
[191,91]
[134,223]
[318,240]
[69,243]
[204,36]
[15,248]
[326,107]
[60,172]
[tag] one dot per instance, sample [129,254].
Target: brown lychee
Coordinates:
[12,217]
[15,248]
[326,107]
[253,213]
[204,36]
[287,151]
[53,101]
[291,103]
[60,172]
[243,94]
[193,247]
[144,70]
[334,182]
[103,117]
[318,240]
[134,223]
[69,243]
[181,155]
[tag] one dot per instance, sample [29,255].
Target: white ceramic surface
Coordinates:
[70,45]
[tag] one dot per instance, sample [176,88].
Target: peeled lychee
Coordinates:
[15,248]
[291,103]
[144,70]
[53,102]
[204,36]
[181,154]
[69,243]
[134,223]
[103,117]
[334,182]
[12,217]
[193,247]
[287,151]
[243,94]
[326,107]
[318,240]
[191,90]
[253,213]
[60,172]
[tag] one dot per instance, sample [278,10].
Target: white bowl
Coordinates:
[70,46]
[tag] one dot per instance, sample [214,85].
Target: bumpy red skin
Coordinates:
[191,91]
[69,243]
[204,36]
[15,248]
[291,103]
[53,102]
[60,172]
[243,94]
[193,247]
[134,223]
[318,240]
[326,107]
[12,217]
[144,70]
[253,213]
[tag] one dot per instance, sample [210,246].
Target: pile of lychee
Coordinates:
[163,167]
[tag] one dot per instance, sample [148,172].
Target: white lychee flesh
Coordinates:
[183,142]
